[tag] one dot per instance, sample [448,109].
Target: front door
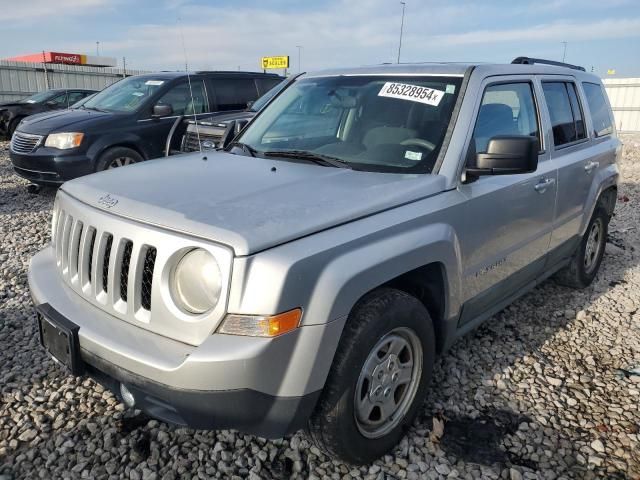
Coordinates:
[508,218]
[188,100]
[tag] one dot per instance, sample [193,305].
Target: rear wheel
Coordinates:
[116,157]
[586,261]
[378,379]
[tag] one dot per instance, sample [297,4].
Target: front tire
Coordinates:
[116,157]
[585,263]
[378,379]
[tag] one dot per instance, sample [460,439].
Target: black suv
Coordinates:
[11,113]
[127,122]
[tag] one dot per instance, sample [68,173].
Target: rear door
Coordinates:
[571,151]
[507,218]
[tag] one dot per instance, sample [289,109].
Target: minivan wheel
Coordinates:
[586,261]
[116,157]
[378,379]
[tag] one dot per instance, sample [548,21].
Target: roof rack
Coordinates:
[235,72]
[532,61]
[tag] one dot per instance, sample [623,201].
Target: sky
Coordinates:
[231,34]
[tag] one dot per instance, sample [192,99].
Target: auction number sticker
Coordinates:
[414,93]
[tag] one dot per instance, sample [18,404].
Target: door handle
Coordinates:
[590,166]
[545,183]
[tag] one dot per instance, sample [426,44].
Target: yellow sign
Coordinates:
[611,71]
[275,62]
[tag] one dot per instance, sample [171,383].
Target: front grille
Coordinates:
[124,271]
[102,267]
[25,142]
[190,141]
[147,277]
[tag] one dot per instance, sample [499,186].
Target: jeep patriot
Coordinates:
[307,274]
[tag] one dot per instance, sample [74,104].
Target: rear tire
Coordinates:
[585,263]
[378,379]
[116,157]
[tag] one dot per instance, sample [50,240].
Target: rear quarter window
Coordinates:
[600,114]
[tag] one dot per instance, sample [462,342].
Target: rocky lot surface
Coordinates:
[549,388]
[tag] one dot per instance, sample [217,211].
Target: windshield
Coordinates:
[41,96]
[126,95]
[264,99]
[374,123]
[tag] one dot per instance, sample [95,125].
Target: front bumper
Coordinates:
[264,386]
[46,165]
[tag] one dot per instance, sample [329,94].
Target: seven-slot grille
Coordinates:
[116,272]
[25,142]
[190,141]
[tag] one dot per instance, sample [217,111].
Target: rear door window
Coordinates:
[564,109]
[234,93]
[600,116]
[506,109]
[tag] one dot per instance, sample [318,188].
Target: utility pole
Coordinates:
[299,47]
[124,67]
[401,28]
[564,51]
[98,49]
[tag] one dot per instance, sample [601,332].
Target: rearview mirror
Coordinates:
[250,104]
[162,110]
[506,155]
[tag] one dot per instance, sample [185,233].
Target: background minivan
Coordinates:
[127,122]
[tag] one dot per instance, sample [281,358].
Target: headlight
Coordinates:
[196,283]
[64,141]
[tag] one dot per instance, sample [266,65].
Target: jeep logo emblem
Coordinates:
[107,201]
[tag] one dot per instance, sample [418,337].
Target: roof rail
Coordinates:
[532,61]
[236,72]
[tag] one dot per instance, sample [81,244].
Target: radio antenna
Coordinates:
[186,68]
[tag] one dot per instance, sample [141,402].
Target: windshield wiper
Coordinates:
[247,148]
[311,156]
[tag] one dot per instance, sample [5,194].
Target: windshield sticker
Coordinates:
[30,101]
[450,89]
[414,93]
[415,156]
[154,82]
[137,94]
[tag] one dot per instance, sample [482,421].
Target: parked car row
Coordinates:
[12,113]
[127,122]
[307,273]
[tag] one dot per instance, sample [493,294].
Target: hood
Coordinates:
[12,104]
[241,202]
[59,120]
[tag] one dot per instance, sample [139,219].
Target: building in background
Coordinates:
[66,59]
[624,96]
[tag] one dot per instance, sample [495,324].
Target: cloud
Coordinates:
[610,28]
[29,11]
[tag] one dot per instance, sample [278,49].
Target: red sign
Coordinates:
[72,58]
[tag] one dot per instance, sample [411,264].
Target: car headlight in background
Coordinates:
[196,283]
[64,141]
[261,325]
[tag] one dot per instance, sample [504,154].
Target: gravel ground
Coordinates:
[545,389]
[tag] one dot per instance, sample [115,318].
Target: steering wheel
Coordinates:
[419,142]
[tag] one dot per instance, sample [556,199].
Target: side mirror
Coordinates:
[228,135]
[240,124]
[161,110]
[506,155]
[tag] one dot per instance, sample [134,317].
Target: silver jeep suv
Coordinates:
[307,275]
